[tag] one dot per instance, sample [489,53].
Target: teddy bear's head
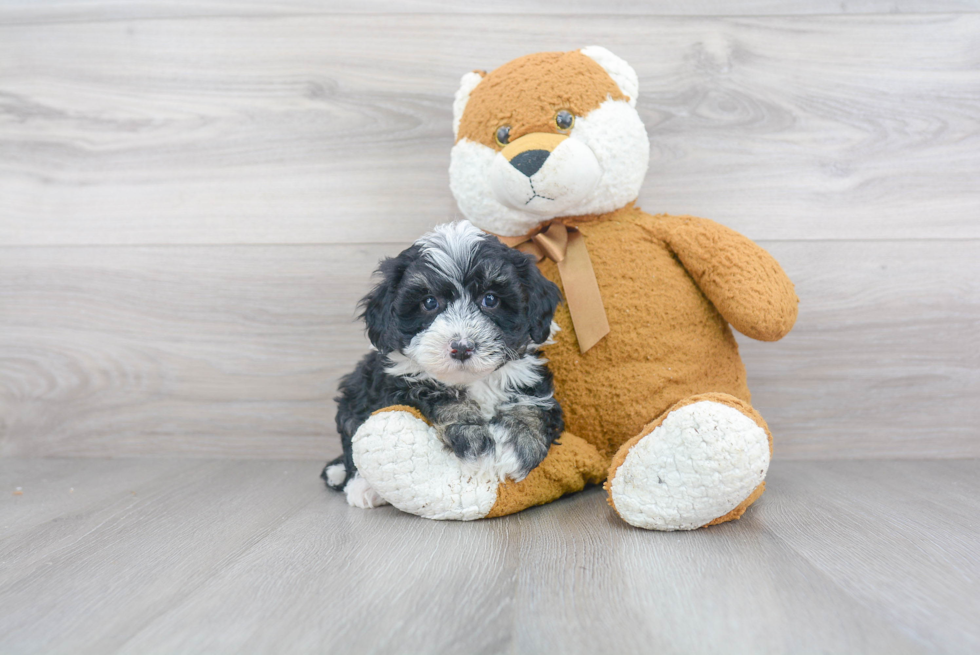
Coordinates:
[547,135]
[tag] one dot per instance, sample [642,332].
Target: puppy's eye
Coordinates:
[430,304]
[564,119]
[490,301]
[502,135]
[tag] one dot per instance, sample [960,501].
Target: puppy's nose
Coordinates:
[461,349]
[530,162]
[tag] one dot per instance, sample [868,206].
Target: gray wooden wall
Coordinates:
[193,196]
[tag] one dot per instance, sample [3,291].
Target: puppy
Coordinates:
[456,323]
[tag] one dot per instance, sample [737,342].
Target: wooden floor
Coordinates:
[213,556]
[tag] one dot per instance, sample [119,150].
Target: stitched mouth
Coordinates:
[535,194]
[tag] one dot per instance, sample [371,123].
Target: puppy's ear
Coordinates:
[378,307]
[542,294]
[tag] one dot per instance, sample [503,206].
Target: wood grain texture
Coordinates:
[200,351]
[331,128]
[236,351]
[17,12]
[929,525]
[885,353]
[230,556]
[192,196]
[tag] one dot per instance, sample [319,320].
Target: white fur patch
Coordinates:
[336,474]
[618,141]
[505,463]
[402,458]
[467,83]
[615,133]
[569,174]
[491,392]
[361,494]
[621,73]
[488,391]
[400,365]
[431,348]
[699,464]
[469,180]
[451,248]
[551,336]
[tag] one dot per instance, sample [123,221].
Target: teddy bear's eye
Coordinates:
[503,135]
[564,119]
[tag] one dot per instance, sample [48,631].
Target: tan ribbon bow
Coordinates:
[565,246]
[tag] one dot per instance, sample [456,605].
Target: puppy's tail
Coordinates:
[335,474]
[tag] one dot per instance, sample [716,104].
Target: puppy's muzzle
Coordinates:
[461,349]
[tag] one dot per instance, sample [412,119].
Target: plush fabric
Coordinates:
[571,464]
[722,399]
[399,454]
[659,407]
[670,338]
[526,95]
[512,95]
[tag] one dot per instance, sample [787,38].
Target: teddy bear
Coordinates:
[550,154]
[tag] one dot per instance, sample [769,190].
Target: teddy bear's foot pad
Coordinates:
[402,459]
[700,463]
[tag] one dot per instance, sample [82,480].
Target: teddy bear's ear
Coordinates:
[621,73]
[466,85]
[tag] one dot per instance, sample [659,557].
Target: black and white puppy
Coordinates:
[456,322]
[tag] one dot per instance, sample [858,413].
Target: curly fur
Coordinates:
[494,409]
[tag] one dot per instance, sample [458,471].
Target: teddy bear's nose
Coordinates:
[530,162]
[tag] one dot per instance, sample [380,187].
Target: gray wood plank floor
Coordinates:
[215,556]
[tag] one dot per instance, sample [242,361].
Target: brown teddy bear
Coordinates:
[550,154]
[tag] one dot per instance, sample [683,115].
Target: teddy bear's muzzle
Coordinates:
[544,174]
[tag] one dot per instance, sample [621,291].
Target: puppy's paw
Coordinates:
[361,494]
[508,466]
[520,450]
[335,474]
[403,459]
[468,441]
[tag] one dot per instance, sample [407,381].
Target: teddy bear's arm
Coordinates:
[743,281]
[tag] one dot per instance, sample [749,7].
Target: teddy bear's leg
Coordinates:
[571,463]
[704,461]
[399,455]
[402,459]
